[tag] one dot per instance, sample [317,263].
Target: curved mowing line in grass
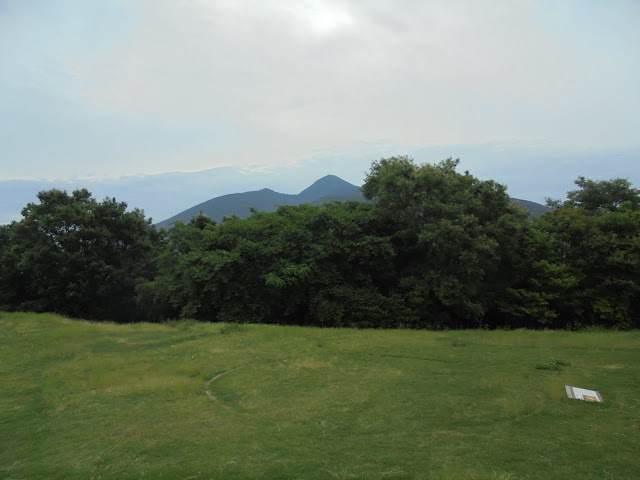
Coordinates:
[213,379]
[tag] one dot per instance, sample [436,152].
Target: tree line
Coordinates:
[431,248]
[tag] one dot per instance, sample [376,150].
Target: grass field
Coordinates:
[96,400]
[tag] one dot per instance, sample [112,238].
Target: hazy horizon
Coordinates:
[531,94]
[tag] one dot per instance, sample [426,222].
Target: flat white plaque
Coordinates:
[583,394]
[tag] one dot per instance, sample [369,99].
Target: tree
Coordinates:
[455,236]
[11,280]
[307,265]
[600,196]
[78,257]
[585,261]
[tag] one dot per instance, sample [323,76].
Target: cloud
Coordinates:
[338,73]
[199,83]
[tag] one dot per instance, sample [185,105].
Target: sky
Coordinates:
[531,93]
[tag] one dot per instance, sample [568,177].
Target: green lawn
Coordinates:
[95,400]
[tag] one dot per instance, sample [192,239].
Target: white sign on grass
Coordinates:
[583,394]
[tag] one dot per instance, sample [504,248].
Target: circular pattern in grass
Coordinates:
[329,386]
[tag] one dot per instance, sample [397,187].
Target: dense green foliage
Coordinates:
[316,265]
[73,255]
[432,248]
[583,261]
[455,239]
[600,196]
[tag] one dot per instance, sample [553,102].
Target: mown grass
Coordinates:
[98,400]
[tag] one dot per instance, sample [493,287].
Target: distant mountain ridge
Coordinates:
[534,209]
[329,187]
[326,189]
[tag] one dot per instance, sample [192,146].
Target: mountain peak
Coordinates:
[323,190]
[326,189]
[326,186]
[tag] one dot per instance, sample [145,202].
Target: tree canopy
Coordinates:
[583,261]
[455,237]
[313,265]
[73,255]
[600,196]
[431,248]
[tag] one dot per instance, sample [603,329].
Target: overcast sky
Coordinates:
[105,88]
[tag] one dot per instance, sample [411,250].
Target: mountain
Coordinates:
[165,194]
[534,209]
[234,204]
[329,188]
[326,189]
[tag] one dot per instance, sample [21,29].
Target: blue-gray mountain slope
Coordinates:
[326,189]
